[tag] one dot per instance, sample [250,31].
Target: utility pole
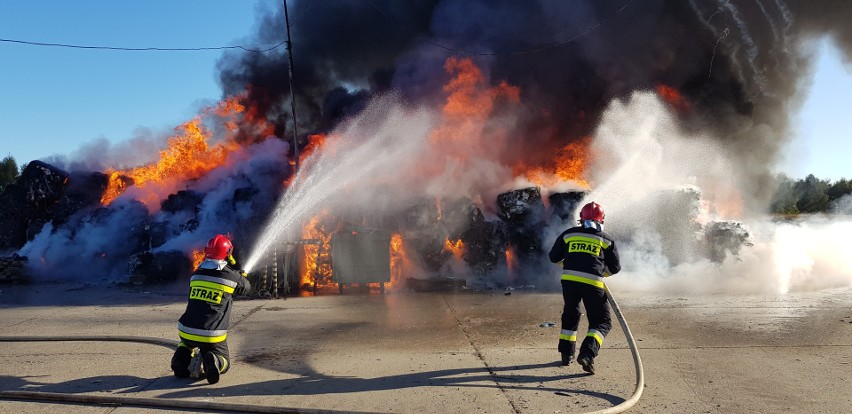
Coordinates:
[292,91]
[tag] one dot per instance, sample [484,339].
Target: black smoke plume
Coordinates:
[739,65]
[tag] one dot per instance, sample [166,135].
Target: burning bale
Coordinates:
[485,243]
[84,190]
[153,267]
[182,201]
[724,238]
[28,203]
[523,212]
[564,205]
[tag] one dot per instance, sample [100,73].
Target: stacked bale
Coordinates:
[12,269]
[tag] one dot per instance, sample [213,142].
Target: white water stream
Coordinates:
[374,145]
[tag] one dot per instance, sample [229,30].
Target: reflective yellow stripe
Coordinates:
[586,239]
[597,336]
[211,285]
[568,335]
[581,279]
[205,339]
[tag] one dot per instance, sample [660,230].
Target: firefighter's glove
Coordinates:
[231,260]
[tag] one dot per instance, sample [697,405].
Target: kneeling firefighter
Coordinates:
[204,324]
[587,255]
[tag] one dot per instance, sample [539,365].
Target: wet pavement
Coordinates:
[450,352]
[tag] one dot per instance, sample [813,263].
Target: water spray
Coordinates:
[375,144]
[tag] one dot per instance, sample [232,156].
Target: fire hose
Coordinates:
[114,400]
[637,362]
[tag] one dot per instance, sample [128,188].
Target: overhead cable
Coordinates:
[141,49]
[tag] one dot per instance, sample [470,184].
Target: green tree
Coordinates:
[785,199]
[813,196]
[839,189]
[8,171]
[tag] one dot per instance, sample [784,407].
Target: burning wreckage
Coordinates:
[640,101]
[449,242]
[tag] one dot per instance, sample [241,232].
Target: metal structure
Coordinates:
[361,256]
[281,273]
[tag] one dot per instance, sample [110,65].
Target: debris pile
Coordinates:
[12,269]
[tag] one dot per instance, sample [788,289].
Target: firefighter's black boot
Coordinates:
[566,359]
[211,367]
[588,364]
[180,362]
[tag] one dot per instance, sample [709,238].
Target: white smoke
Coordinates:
[842,205]
[659,185]
[258,167]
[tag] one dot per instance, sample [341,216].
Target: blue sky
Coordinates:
[822,143]
[54,100]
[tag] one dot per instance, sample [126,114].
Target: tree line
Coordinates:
[810,195]
[8,171]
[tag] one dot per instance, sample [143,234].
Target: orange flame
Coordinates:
[315,142]
[399,260]
[457,248]
[188,155]
[197,257]
[470,102]
[570,165]
[465,129]
[673,97]
[317,264]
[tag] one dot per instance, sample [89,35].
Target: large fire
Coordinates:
[468,106]
[316,266]
[569,165]
[188,155]
[465,129]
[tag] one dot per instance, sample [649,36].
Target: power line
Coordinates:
[140,49]
[584,33]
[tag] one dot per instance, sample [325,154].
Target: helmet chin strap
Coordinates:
[591,224]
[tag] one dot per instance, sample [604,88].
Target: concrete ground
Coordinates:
[465,352]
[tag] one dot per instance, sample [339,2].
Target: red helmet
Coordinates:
[592,211]
[218,248]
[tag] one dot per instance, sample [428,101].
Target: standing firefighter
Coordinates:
[204,324]
[587,255]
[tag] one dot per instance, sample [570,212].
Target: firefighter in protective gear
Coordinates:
[587,255]
[204,324]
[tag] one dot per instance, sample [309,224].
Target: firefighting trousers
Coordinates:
[183,353]
[597,310]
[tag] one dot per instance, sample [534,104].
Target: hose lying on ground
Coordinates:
[637,363]
[243,408]
[116,400]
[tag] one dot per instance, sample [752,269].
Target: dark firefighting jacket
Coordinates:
[587,255]
[208,311]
